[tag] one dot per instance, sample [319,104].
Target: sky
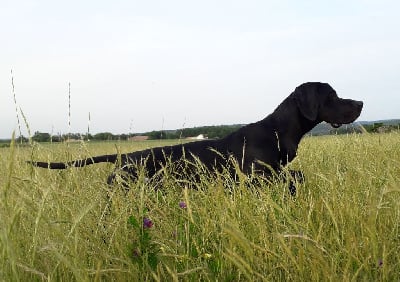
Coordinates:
[137,66]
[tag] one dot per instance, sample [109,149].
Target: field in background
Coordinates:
[344,223]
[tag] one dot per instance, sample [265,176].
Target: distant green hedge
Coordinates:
[208,131]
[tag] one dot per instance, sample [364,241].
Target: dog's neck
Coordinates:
[290,129]
[292,126]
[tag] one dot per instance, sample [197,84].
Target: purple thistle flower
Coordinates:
[380,263]
[136,253]
[182,205]
[147,223]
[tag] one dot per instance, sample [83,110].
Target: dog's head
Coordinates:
[319,102]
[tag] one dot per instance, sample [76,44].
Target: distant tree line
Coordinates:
[208,131]
[103,136]
[377,127]
[212,132]
[380,127]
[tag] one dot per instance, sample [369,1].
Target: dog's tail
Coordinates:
[76,163]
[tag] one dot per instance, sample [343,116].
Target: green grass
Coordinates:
[343,225]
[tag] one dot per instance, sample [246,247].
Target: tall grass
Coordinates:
[344,223]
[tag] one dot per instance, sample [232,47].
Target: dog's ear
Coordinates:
[307,100]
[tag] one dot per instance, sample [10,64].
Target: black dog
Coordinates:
[259,147]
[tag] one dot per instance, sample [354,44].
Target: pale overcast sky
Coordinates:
[148,65]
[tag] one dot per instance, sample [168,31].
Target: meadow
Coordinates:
[343,225]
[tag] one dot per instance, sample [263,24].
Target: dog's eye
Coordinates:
[330,100]
[332,96]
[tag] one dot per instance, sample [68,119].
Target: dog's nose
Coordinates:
[359,104]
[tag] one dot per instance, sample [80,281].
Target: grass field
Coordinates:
[344,224]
